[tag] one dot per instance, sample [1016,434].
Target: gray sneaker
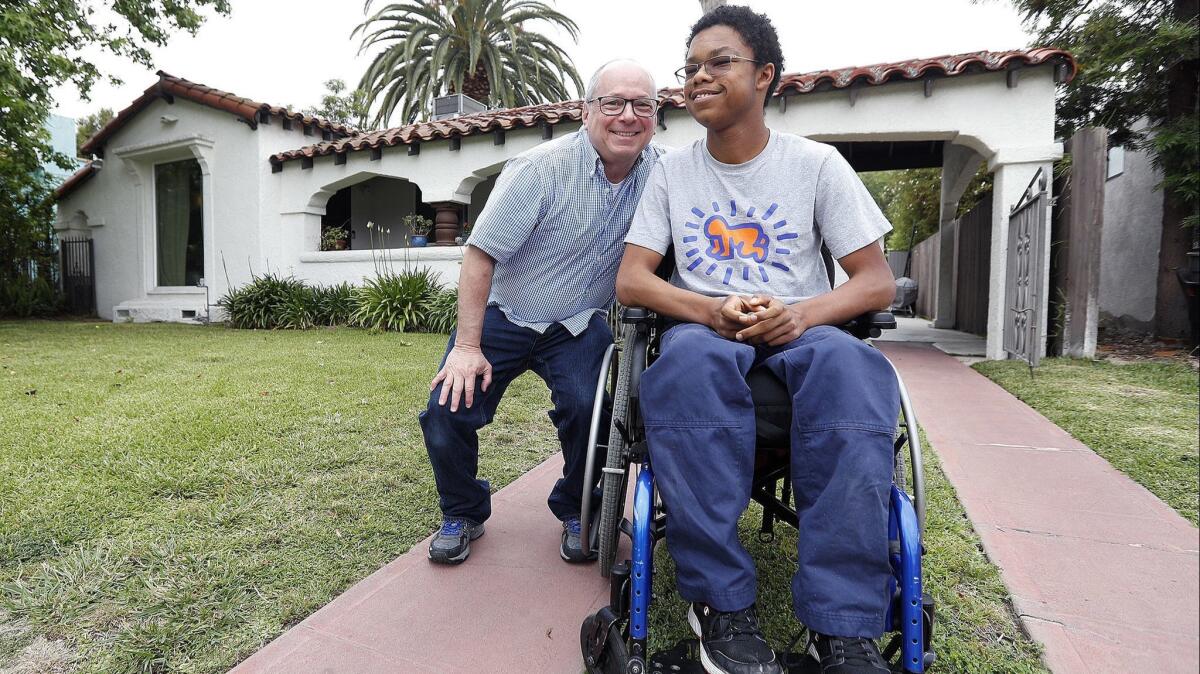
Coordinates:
[453,543]
[571,549]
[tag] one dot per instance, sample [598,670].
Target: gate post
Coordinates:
[1089,151]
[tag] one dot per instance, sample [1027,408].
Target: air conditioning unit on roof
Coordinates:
[455,105]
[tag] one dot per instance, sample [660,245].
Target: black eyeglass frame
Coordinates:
[725,61]
[625,102]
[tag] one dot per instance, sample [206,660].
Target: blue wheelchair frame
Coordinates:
[910,612]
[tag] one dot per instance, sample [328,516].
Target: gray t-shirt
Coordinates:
[756,227]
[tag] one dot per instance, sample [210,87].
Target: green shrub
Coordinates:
[22,297]
[392,301]
[333,305]
[443,311]
[269,301]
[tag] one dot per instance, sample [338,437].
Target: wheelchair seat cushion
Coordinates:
[772,408]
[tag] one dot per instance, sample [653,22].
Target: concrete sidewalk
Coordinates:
[1102,572]
[514,607]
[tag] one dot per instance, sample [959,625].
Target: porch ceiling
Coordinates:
[890,155]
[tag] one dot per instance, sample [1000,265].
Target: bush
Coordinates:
[22,297]
[392,301]
[443,311]
[333,305]
[268,302]
[410,301]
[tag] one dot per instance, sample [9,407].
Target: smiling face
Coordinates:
[732,97]
[619,139]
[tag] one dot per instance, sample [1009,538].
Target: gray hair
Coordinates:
[591,87]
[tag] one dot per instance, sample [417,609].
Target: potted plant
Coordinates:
[418,229]
[461,239]
[334,238]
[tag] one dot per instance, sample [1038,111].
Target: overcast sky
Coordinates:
[281,51]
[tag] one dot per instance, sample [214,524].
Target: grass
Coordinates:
[171,498]
[1141,417]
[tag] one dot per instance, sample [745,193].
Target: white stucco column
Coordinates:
[1013,170]
[959,164]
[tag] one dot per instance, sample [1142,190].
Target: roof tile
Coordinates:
[789,84]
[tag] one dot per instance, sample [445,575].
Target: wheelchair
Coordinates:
[614,639]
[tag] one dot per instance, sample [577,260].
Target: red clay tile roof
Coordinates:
[77,178]
[790,84]
[169,86]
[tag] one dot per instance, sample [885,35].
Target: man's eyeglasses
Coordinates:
[715,66]
[615,105]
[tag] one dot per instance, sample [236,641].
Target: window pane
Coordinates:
[179,203]
[1116,161]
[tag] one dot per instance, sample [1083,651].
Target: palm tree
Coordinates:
[480,48]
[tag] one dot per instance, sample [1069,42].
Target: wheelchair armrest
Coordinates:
[871,324]
[635,315]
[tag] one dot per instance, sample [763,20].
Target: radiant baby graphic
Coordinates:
[747,240]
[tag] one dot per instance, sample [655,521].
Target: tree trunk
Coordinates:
[478,86]
[1170,307]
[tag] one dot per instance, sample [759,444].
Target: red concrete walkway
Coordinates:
[1102,572]
[514,607]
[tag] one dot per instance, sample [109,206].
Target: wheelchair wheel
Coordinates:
[616,466]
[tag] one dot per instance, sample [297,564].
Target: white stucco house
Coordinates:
[192,183]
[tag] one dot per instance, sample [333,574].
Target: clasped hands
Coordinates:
[757,319]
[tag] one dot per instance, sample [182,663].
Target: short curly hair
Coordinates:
[756,30]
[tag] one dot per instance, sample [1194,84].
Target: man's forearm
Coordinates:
[858,295]
[474,284]
[641,288]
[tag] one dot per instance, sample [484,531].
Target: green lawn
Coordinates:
[1144,418]
[173,497]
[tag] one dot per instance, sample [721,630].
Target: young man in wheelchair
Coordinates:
[747,210]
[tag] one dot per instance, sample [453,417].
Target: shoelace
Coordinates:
[737,622]
[453,527]
[573,526]
[856,651]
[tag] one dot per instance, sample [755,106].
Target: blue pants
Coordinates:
[569,365]
[700,430]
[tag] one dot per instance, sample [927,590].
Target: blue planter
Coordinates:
[418,241]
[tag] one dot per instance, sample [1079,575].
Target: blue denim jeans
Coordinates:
[700,431]
[569,365]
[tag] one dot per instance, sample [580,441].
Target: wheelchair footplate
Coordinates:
[684,658]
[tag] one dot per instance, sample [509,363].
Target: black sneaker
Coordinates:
[453,543]
[846,655]
[732,643]
[571,549]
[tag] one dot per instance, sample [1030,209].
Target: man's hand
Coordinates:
[774,323]
[457,376]
[727,316]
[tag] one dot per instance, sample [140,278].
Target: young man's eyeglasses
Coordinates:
[715,66]
[615,105]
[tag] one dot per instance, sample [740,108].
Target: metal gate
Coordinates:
[79,275]
[1023,283]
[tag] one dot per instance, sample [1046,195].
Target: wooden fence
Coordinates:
[925,272]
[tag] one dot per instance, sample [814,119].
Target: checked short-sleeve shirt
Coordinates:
[556,228]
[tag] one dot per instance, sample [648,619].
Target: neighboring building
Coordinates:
[1130,241]
[195,183]
[62,139]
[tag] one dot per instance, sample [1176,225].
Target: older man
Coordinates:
[537,277]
